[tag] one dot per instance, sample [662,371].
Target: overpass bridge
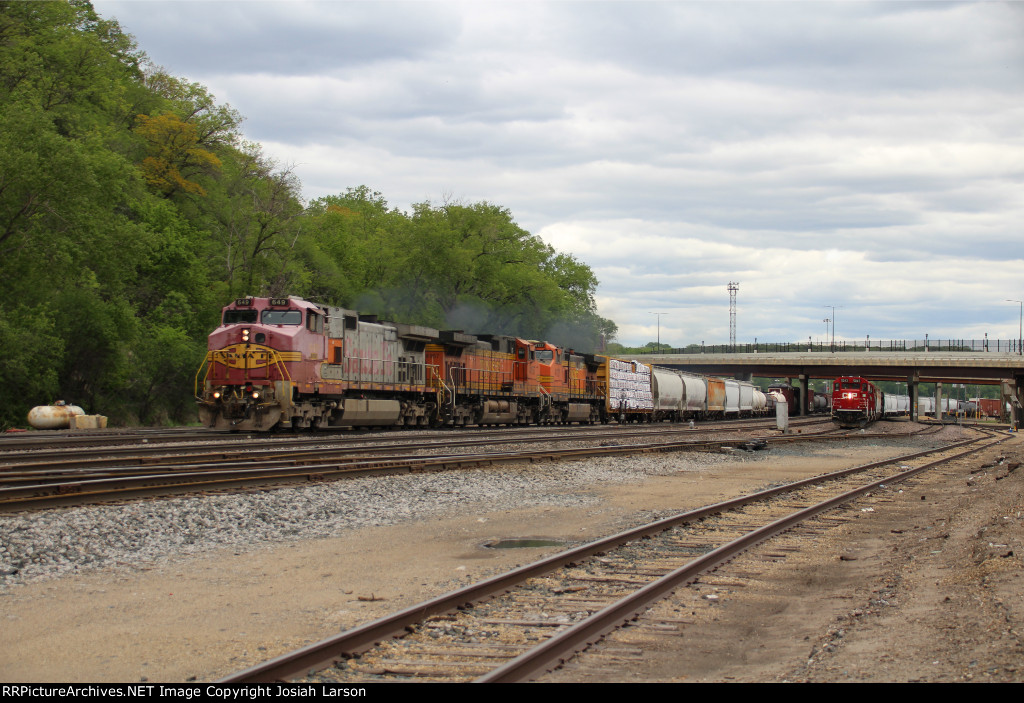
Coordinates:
[1005,369]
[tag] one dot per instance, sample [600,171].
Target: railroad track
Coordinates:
[33,486]
[272,445]
[55,443]
[517,625]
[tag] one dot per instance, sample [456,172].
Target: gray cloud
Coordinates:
[862,154]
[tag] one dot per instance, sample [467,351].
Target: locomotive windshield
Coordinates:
[281,317]
[545,356]
[234,317]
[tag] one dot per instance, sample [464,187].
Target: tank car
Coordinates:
[784,392]
[760,402]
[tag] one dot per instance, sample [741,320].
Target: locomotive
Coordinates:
[279,363]
[856,402]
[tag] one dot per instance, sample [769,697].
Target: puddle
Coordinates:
[524,543]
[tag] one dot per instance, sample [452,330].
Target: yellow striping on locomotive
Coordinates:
[252,356]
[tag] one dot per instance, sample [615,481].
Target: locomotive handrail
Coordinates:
[279,363]
[353,371]
[203,364]
[275,359]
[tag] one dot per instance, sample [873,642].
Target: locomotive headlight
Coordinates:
[245,335]
[255,395]
[216,395]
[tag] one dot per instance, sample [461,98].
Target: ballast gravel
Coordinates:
[43,545]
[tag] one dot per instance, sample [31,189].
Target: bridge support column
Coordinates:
[1014,395]
[803,394]
[1018,407]
[1007,393]
[938,400]
[913,392]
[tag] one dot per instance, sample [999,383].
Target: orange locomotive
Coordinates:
[290,363]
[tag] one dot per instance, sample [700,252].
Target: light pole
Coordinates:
[826,321]
[658,315]
[1020,328]
[833,320]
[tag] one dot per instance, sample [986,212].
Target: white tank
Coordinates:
[52,417]
[696,393]
[760,401]
[732,397]
[746,398]
[891,405]
[668,390]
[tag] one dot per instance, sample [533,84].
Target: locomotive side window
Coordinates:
[314,322]
[234,317]
[281,317]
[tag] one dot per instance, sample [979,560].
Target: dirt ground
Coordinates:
[927,587]
[922,583]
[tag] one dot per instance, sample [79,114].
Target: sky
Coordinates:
[858,162]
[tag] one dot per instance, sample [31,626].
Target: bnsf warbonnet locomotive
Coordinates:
[289,363]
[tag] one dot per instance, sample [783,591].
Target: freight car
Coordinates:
[278,363]
[816,402]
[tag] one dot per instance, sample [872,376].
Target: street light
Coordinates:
[833,320]
[1020,328]
[658,315]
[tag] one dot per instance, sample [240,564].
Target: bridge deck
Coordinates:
[928,367]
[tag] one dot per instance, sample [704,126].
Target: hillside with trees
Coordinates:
[132,209]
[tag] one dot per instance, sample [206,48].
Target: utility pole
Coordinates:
[734,288]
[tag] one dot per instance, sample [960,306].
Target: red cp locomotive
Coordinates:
[856,402]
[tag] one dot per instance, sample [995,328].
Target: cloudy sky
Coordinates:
[868,156]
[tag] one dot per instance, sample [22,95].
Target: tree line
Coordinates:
[132,209]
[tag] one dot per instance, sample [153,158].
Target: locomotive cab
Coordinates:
[252,359]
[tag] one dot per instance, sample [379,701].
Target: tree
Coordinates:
[174,154]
